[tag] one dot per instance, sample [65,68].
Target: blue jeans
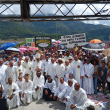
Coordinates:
[95,83]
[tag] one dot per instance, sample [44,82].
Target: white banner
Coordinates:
[70,41]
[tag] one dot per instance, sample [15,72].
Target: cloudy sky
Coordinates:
[52,9]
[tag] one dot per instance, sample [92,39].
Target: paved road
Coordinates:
[42,105]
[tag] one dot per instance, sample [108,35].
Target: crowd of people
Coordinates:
[65,75]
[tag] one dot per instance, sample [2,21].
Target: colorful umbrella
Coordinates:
[58,42]
[7,45]
[23,49]
[13,49]
[95,41]
[33,48]
[93,46]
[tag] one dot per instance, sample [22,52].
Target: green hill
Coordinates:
[15,30]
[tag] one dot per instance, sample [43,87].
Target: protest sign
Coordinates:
[42,42]
[70,41]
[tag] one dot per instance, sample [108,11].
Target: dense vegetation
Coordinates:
[14,30]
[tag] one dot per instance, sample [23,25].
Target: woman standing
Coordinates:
[95,75]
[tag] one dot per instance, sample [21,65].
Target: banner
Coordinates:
[70,41]
[30,42]
[43,42]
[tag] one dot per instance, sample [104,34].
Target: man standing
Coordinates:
[50,70]
[38,84]
[2,73]
[27,90]
[62,86]
[78,99]
[60,68]
[37,65]
[12,94]
[45,63]
[27,68]
[66,73]
[49,89]
[77,70]
[19,70]
[88,77]
[11,72]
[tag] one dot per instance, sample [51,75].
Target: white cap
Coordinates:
[37,55]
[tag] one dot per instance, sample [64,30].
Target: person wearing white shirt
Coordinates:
[49,89]
[27,68]
[50,70]
[36,65]
[11,72]
[38,84]
[62,86]
[78,99]
[88,77]
[12,94]
[45,63]
[77,70]
[65,94]
[19,70]
[71,77]
[2,73]
[66,73]
[60,68]
[20,82]
[27,90]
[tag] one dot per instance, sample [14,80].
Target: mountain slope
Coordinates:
[14,30]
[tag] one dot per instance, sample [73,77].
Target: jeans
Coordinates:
[95,83]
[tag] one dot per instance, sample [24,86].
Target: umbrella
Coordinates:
[23,49]
[53,40]
[17,42]
[106,52]
[13,49]
[95,41]
[33,48]
[58,42]
[93,46]
[7,45]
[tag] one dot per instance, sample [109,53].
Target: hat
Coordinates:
[37,55]
[70,57]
